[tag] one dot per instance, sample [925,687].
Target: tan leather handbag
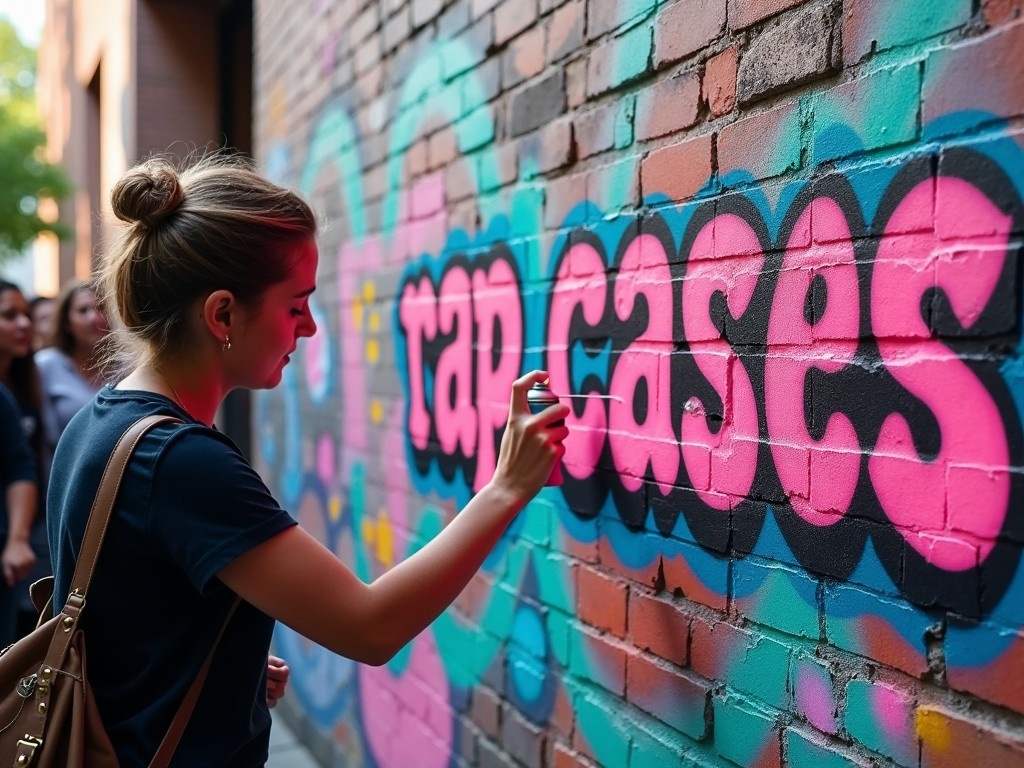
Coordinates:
[48,716]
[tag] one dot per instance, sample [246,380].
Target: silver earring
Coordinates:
[227,343]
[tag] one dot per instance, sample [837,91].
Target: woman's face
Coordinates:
[86,323]
[15,326]
[264,340]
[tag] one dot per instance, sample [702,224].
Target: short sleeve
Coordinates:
[16,460]
[209,505]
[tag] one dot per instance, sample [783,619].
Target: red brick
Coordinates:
[442,148]
[719,87]
[711,646]
[567,757]
[659,626]
[565,30]
[524,58]
[486,711]
[602,601]
[512,17]
[1002,11]
[685,28]
[668,107]
[952,76]
[743,13]
[678,170]
[949,740]
[669,695]
[764,145]
[595,130]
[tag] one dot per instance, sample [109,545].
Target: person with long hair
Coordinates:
[68,367]
[207,290]
[20,438]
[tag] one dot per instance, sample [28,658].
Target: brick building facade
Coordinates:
[781,240]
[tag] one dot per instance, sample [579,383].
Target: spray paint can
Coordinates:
[538,398]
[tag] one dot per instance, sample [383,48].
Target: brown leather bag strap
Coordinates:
[103,504]
[95,531]
[165,751]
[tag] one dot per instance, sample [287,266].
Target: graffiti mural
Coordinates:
[797,449]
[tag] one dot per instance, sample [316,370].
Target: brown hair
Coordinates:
[60,335]
[209,224]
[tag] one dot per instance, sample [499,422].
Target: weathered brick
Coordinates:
[659,626]
[619,61]
[718,88]
[594,130]
[952,75]
[878,25]
[668,694]
[576,82]
[598,659]
[567,757]
[881,717]
[556,145]
[562,195]
[485,710]
[523,59]
[746,733]
[951,740]
[602,601]
[512,17]
[999,12]
[565,30]
[677,171]
[538,104]
[668,106]
[745,13]
[523,740]
[424,11]
[763,145]
[793,50]
[810,751]
[685,28]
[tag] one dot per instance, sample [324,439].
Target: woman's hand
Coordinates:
[531,444]
[17,560]
[277,679]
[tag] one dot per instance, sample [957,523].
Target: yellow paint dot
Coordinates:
[372,351]
[376,411]
[357,314]
[374,322]
[933,729]
[369,291]
[385,547]
[334,508]
[368,531]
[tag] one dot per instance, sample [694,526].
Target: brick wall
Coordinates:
[782,239]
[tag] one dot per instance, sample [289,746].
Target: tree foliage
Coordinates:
[25,177]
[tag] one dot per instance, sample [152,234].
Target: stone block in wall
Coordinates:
[685,28]
[796,48]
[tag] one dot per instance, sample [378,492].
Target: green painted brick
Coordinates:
[742,732]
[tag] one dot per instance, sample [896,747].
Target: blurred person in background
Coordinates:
[41,308]
[67,365]
[20,446]
[69,378]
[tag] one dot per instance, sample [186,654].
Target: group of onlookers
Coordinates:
[49,369]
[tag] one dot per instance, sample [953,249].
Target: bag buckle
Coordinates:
[27,747]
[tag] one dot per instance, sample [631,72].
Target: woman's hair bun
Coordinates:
[147,193]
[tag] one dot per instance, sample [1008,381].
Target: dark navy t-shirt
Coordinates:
[189,505]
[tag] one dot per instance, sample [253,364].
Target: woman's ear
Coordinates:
[218,313]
